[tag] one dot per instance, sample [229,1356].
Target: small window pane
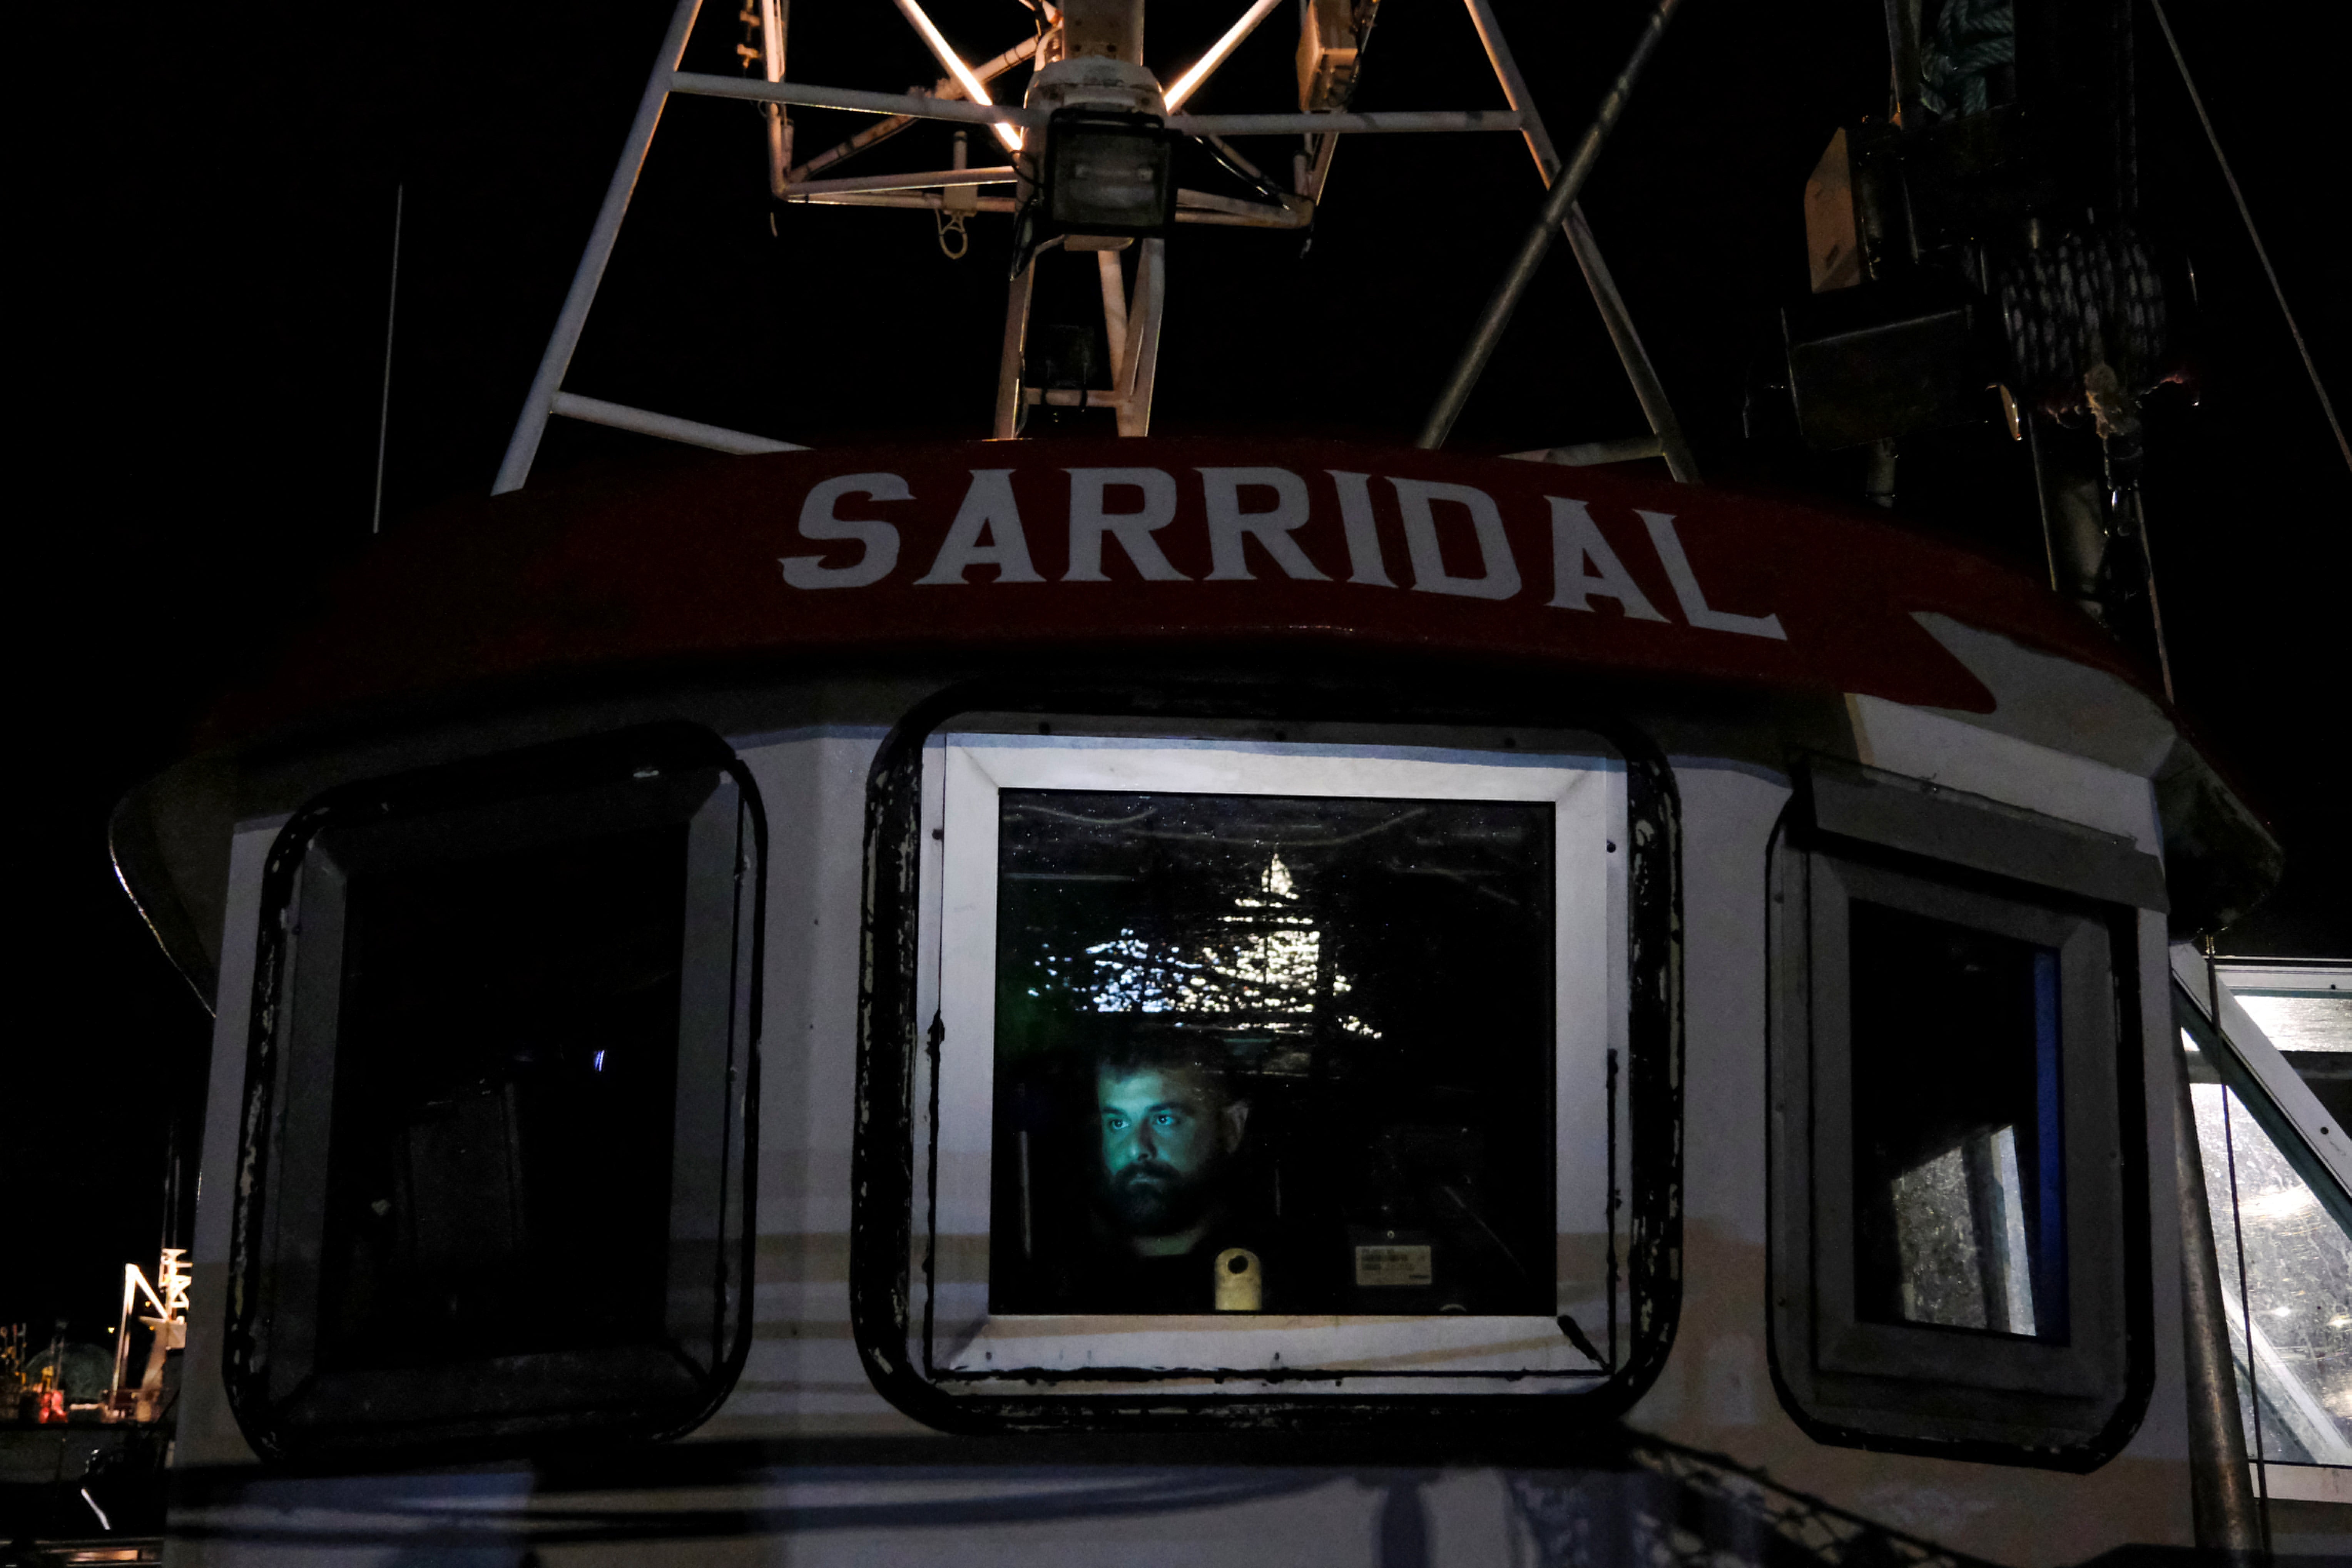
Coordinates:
[2286,1289]
[1959,1211]
[503,1103]
[1290,1054]
[2302,1023]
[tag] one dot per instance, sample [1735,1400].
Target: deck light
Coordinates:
[1108,174]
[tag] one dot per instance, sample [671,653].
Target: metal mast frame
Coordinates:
[1131,319]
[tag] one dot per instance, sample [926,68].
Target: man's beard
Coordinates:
[1148,1198]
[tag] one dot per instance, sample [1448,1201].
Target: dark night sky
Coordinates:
[204,328]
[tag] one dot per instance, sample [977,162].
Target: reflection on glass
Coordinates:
[1273,1053]
[2290,1305]
[2302,1023]
[1955,1269]
[1959,1214]
[504,1086]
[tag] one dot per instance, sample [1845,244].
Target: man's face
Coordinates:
[1166,1135]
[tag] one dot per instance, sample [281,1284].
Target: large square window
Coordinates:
[502,1062]
[1958,1251]
[1245,1070]
[1304,1028]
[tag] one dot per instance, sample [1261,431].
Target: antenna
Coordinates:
[391,311]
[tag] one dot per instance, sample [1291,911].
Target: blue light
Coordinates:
[600,1061]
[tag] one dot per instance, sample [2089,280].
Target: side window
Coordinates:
[497,1143]
[1959,1243]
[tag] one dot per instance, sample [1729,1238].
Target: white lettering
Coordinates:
[1089,523]
[1221,490]
[1687,589]
[1418,498]
[1576,539]
[1364,563]
[818,521]
[988,508]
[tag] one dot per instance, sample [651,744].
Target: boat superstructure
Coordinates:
[1258,999]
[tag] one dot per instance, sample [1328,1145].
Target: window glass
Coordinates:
[503,1103]
[496,1180]
[1959,1211]
[1279,1053]
[1959,1233]
[2308,1023]
[2286,1286]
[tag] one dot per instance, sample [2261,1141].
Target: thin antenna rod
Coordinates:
[2327,407]
[391,310]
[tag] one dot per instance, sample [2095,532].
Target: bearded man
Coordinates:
[1170,1130]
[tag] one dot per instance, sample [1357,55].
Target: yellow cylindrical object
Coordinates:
[1241,1284]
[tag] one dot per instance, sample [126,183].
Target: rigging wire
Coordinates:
[391,311]
[2214,141]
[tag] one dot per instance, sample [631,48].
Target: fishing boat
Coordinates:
[1082,995]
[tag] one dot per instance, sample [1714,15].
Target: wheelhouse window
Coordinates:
[1301,1028]
[1958,1255]
[504,1035]
[1246,1071]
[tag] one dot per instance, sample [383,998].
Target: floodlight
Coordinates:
[1108,174]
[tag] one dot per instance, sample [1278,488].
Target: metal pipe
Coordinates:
[972,89]
[1326,148]
[935,178]
[2220,1492]
[1244,215]
[1114,302]
[1317,124]
[1143,338]
[1515,87]
[910,201]
[1532,249]
[1008,365]
[1648,389]
[947,88]
[1275,218]
[689,432]
[1297,213]
[1232,156]
[915,106]
[773,18]
[539,403]
[1191,82]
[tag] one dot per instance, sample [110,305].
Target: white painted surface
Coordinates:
[1924,746]
[1728,813]
[1587,794]
[207,1433]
